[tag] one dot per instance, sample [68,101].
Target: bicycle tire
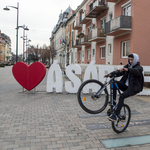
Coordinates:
[96,108]
[123,128]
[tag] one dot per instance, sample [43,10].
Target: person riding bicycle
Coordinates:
[131,83]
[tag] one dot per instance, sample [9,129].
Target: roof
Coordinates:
[62,19]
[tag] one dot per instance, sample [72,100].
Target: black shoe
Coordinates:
[112,118]
[114,103]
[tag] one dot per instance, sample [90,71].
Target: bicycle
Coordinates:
[92,94]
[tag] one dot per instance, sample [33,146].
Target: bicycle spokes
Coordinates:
[122,120]
[90,99]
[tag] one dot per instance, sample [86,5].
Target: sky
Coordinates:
[39,16]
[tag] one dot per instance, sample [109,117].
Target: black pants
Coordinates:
[124,95]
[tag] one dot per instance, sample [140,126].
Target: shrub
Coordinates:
[2,65]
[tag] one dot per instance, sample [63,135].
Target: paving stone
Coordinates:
[51,121]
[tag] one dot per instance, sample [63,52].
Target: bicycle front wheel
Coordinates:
[123,120]
[89,99]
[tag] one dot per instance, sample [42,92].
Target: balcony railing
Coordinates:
[118,25]
[84,40]
[77,26]
[96,8]
[84,19]
[96,35]
[77,43]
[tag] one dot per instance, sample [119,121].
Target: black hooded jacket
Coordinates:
[136,79]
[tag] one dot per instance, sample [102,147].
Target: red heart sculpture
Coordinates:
[29,76]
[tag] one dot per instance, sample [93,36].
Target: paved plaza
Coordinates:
[49,121]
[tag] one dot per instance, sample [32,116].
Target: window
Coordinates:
[127,10]
[89,29]
[110,16]
[125,49]
[93,52]
[103,21]
[90,6]
[109,49]
[102,49]
[75,55]
[89,54]
[80,17]
[72,57]
[79,55]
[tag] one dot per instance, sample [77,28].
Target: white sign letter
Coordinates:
[54,78]
[102,69]
[91,69]
[74,79]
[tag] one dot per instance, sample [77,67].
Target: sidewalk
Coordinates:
[43,121]
[144,98]
[51,121]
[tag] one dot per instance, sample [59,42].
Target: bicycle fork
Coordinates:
[111,95]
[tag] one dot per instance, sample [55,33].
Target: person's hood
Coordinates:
[135,59]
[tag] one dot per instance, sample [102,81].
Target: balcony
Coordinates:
[83,19]
[96,8]
[84,40]
[76,25]
[119,25]
[96,35]
[77,43]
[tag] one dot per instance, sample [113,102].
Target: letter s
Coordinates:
[74,79]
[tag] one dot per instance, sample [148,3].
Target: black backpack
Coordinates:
[142,81]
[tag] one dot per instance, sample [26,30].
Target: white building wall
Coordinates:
[93,47]
[109,39]
[60,34]
[83,54]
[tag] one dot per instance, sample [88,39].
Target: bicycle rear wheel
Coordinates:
[123,121]
[88,98]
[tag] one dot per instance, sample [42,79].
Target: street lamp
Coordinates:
[24,28]
[6,8]
[27,43]
[50,51]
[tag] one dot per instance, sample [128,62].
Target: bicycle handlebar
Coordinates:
[112,74]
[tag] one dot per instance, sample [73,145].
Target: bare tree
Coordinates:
[45,54]
[34,53]
[67,46]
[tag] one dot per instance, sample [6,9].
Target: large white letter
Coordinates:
[91,69]
[54,78]
[102,71]
[75,80]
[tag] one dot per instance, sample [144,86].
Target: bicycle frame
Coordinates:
[111,82]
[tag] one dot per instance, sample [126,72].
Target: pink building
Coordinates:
[112,29]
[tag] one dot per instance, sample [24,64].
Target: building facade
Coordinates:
[58,37]
[107,31]
[5,48]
